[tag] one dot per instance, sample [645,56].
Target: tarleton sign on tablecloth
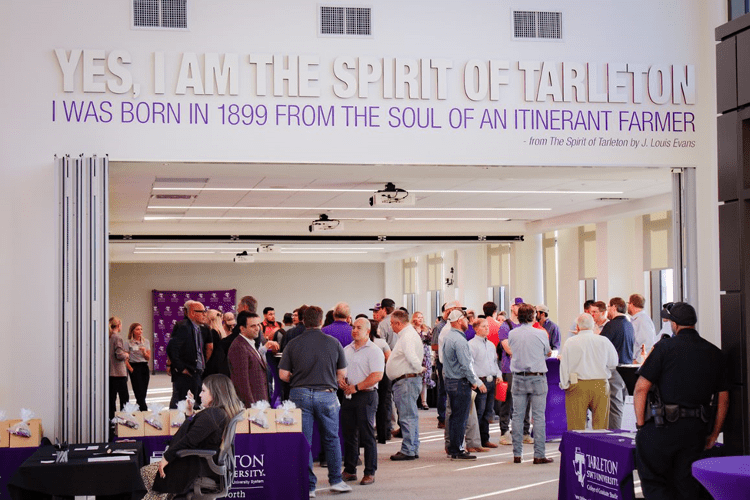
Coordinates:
[268,466]
[597,466]
[168,310]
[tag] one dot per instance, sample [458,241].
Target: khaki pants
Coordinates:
[584,395]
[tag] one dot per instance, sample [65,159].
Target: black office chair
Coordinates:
[207,488]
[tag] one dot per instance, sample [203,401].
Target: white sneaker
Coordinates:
[528,439]
[312,494]
[341,487]
[505,439]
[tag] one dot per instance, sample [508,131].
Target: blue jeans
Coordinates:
[405,394]
[324,407]
[459,395]
[525,389]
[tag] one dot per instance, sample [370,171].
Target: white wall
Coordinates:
[31,87]
[282,286]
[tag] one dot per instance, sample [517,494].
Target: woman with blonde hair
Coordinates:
[139,352]
[217,363]
[118,372]
[203,430]
[417,320]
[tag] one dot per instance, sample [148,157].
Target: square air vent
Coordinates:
[351,21]
[160,14]
[537,25]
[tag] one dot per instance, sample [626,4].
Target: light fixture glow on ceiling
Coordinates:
[165,218]
[308,189]
[343,209]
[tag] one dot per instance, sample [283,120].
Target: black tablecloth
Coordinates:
[37,478]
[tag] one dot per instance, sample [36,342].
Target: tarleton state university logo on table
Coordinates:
[597,474]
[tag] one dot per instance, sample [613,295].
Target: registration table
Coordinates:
[726,478]
[102,470]
[268,466]
[597,465]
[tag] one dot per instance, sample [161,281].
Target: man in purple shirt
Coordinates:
[340,328]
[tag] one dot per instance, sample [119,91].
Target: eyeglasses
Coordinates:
[200,311]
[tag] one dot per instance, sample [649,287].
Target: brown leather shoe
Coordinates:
[516,460]
[441,425]
[348,476]
[367,479]
[488,444]
[477,449]
[543,460]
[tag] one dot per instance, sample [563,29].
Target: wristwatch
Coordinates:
[638,427]
[356,387]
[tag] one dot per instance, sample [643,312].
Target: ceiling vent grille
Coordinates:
[160,14]
[345,21]
[537,25]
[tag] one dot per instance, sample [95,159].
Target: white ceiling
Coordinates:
[547,197]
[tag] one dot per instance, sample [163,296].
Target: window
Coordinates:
[160,13]
[410,275]
[345,21]
[498,269]
[738,8]
[434,272]
[537,25]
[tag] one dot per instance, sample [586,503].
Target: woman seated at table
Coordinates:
[203,430]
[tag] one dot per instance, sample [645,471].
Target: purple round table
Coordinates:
[726,478]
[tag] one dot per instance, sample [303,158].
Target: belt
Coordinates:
[487,378]
[407,375]
[529,373]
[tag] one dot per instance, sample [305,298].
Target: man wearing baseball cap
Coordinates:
[666,446]
[385,331]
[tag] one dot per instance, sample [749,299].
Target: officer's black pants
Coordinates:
[664,456]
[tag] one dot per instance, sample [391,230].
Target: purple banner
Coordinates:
[10,460]
[168,308]
[597,466]
[556,416]
[268,466]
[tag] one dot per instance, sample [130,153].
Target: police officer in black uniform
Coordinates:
[688,371]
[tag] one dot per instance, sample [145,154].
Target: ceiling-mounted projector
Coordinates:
[325,224]
[243,257]
[268,247]
[392,195]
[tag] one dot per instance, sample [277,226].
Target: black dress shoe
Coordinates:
[348,476]
[463,456]
[543,460]
[516,460]
[402,456]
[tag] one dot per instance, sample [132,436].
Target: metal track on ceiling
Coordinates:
[320,238]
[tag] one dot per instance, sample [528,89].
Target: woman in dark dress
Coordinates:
[203,430]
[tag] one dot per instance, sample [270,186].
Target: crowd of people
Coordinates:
[372,372]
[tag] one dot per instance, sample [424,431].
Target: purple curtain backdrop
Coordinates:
[168,310]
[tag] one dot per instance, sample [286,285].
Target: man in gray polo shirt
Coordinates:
[313,363]
[530,348]
[365,365]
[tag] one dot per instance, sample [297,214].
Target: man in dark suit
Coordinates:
[247,365]
[186,354]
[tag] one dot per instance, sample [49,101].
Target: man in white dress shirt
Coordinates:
[586,363]
[644,332]
[484,353]
[404,368]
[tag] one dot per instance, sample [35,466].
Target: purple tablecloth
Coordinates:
[10,460]
[596,466]
[269,466]
[557,419]
[726,478]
